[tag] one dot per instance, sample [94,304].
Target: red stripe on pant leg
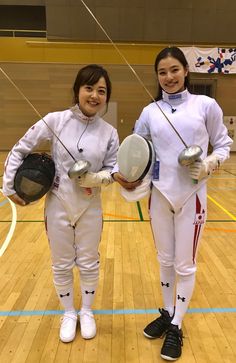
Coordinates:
[197,228]
[196,239]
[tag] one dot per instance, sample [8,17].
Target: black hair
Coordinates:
[90,75]
[177,54]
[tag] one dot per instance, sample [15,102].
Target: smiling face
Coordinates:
[171,75]
[92,98]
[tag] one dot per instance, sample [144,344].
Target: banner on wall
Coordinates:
[211,60]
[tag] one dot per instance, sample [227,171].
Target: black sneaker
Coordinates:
[157,328]
[172,346]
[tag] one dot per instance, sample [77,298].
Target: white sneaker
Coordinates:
[68,327]
[87,324]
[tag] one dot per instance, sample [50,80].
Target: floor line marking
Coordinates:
[118,220]
[118,216]
[115,312]
[140,211]
[12,228]
[3,202]
[222,208]
[220,230]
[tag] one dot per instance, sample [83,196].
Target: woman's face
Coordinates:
[92,98]
[171,75]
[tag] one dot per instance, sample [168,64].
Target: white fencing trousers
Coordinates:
[74,245]
[177,232]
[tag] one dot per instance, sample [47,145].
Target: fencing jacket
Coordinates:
[97,139]
[199,120]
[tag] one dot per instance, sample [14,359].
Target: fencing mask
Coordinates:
[34,177]
[135,160]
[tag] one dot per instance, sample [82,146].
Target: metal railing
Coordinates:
[23,33]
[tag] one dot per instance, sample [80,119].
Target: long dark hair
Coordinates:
[177,54]
[90,75]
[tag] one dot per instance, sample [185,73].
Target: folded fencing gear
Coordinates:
[34,177]
[140,192]
[135,160]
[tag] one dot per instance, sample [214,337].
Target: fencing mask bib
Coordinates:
[135,160]
[34,177]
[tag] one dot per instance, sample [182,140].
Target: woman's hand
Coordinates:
[124,183]
[16,199]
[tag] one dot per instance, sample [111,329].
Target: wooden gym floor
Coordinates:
[128,295]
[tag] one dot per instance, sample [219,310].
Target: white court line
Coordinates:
[12,228]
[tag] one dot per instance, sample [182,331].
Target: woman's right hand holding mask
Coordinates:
[124,183]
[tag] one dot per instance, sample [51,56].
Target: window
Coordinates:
[203,86]
[22,21]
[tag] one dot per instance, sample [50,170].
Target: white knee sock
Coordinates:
[66,297]
[88,292]
[184,291]
[167,276]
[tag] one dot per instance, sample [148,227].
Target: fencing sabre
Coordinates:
[190,153]
[80,166]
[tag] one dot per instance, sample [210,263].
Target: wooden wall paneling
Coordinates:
[49,87]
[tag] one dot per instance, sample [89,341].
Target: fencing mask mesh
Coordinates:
[34,177]
[134,157]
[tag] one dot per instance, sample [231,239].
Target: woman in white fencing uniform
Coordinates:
[178,205]
[73,213]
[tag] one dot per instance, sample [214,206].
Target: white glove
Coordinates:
[92,180]
[203,168]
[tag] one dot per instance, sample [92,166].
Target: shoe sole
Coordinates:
[88,337]
[67,340]
[148,336]
[156,337]
[166,357]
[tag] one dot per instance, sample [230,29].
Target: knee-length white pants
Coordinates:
[177,232]
[74,245]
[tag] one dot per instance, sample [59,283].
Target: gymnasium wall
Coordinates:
[45,67]
[169,21]
[45,73]
[185,21]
